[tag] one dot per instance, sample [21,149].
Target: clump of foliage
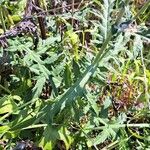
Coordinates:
[85,84]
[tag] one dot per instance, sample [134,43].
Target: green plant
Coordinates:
[86,86]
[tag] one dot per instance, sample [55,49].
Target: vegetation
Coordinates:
[74,75]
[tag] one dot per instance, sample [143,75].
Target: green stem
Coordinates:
[145,81]
[145,6]
[2,19]
[117,126]
[5,89]
[35,126]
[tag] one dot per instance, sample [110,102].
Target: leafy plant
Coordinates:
[86,86]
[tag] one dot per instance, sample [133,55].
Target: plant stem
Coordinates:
[5,89]
[142,9]
[2,19]
[145,81]
[116,126]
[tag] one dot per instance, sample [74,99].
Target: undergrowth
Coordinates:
[85,84]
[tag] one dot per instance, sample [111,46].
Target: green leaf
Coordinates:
[50,136]
[46,145]
[76,69]
[8,105]
[29,120]
[78,88]
[137,46]
[65,137]
[98,139]
[107,102]
[67,76]
[37,90]
[4,129]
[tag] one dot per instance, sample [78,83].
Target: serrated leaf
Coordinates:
[37,90]
[77,89]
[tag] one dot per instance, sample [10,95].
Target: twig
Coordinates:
[72,12]
[41,21]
